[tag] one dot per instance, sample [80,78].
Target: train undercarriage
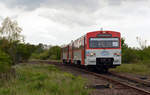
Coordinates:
[102,64]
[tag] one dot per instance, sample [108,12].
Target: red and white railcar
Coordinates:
[100,49]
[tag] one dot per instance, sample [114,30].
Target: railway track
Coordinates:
[123,83]
[117,79]
[126,82]
[135,80]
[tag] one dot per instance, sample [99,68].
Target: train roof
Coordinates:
[107,31]
[100,31]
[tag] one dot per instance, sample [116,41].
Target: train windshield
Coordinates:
[104,43]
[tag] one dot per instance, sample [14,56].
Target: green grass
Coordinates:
[43,79]
[136,68]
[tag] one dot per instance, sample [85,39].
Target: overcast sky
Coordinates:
[57,22]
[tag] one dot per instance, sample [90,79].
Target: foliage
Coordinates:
[39,48]
[130,55]
[43,56]
[5,62]
[138,57]
[53,53]
[24,51]
[10,37]
[17,51]
[10,30]
[43,79]
[142,43]
[138,68]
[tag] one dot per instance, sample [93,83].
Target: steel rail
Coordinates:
[144,82]
[142,91]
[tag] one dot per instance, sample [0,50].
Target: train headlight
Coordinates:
[92,54]
[117,54]
[116,60]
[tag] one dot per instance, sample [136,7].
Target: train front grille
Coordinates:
[104,61]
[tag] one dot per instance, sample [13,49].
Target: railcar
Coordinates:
[99,49]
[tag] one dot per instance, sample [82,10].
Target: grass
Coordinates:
[43,79]
[141,68]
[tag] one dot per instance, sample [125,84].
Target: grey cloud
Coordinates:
[115,2]
[77,5]
[66,4]
[119,2]
[70,18]
[27,4]
[76,18]
[83,5]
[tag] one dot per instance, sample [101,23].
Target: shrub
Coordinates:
[54,53]
[5,62]
[43,79]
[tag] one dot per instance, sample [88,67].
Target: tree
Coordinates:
[142,43]
[10,33]
[128,54]
[123,44]
[10,30]
[5,62]
[55,53]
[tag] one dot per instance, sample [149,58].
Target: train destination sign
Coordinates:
[104,35]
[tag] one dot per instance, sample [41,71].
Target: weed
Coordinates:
[138,68]
[43,79]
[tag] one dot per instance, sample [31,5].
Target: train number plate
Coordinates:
[105,53]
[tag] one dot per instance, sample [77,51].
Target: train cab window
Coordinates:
[104,43]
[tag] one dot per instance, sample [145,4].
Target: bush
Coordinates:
[16,50]
[23,52]
[43,79]
[54,53]
[129,55]
[43,56]
[5,62]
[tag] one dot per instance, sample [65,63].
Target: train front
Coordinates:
[103,49]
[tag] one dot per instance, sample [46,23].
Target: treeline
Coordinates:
[51,53]
[14,50]
[12,53]
[135,55]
